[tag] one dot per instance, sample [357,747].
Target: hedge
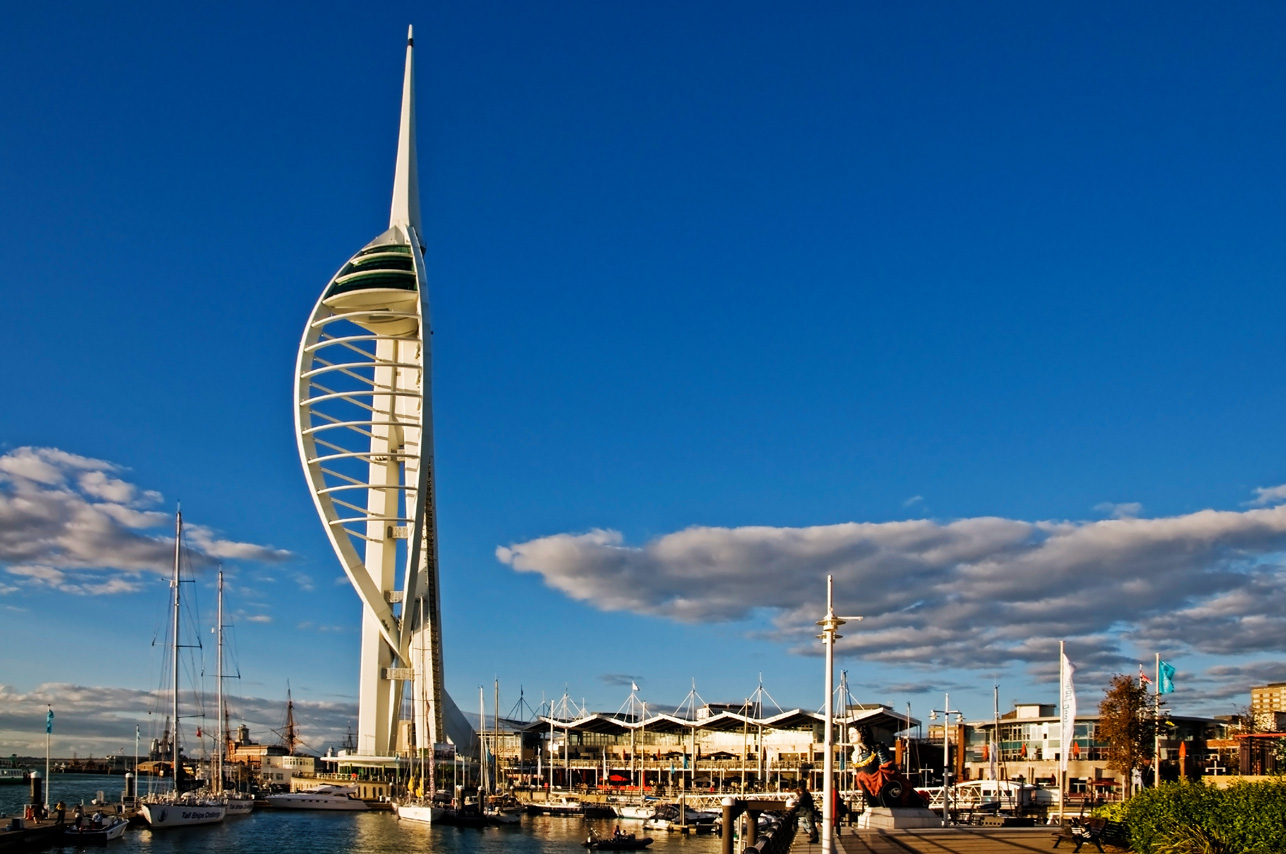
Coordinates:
[1177,818]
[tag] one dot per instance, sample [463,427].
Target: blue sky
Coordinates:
[976,308]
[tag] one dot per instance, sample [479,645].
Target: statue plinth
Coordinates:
[887,818]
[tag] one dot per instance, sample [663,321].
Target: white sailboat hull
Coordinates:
[422,813]
[634,811]
[239,806]
[166,814]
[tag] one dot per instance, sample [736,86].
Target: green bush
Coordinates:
[1194,818]
[1114,811]
[1188,839]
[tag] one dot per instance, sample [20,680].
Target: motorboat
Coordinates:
[488,814]
[91,831]
[564,806]
[766,821]
[673,817]
[323,797]
[503,810]
[617,842]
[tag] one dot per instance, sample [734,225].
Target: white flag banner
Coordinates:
[1067,711]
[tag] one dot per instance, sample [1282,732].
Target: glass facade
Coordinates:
[376,267]
[1041,740]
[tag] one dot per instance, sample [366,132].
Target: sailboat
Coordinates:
[418,805]
[175,808]
[236,803]
[496,808]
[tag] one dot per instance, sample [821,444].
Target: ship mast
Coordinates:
[222,743]
[174,705]
[288,731]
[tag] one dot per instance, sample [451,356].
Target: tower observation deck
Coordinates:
[364,424]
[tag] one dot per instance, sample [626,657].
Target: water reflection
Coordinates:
[302,832]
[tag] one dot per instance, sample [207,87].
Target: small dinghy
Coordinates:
[92,832]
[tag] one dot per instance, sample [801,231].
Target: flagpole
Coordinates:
[49,728]
[1062,736]
[995,734]
[1156,729]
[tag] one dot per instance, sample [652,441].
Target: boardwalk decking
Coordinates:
[949,840]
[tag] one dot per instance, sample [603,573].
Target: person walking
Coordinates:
[807,811]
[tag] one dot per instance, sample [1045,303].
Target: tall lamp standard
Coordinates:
[829,635]
[946,711]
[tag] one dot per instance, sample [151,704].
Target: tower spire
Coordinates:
[406,182]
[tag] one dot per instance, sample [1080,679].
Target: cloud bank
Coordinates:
[74,524]
[97,721]
[976,593]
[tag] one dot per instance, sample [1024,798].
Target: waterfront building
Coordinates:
[723,747]
[364,425]
[240,750]
[1029,746]
[278,772]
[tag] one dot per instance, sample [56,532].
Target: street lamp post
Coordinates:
[829,635]
[946,711]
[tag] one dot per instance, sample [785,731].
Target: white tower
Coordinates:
[364,421]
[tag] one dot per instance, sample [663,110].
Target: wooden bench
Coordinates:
[1090,830]
[1116,833]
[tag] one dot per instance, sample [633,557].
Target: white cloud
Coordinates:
[78,584]
[1123,510]
[1267,495]
[913,500]
[971,593]
[98,484]
[48,466]
[73,524]
[309,626]
[217,549]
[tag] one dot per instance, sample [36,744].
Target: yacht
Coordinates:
[324,797]
[669,817]
[561,805]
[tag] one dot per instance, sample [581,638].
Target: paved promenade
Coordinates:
[949,840]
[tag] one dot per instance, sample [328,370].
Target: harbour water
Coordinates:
[288,832]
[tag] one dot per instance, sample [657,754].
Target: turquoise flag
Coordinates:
[49,721]
[1165,671]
